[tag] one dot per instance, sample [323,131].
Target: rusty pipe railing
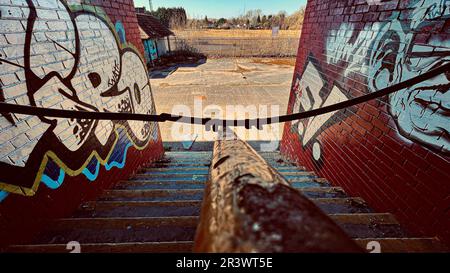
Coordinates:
[249,207]
[217,124]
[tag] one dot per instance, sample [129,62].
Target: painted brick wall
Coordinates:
[72,55]
[122,12]
[394,151]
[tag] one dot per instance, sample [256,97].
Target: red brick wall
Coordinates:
[393,151]
[61,55]
[123,11]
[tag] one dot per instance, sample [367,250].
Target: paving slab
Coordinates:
[222,88]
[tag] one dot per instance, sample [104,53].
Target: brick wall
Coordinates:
[122,11]
[68,55]
[394,151]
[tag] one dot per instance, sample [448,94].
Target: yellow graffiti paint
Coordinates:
[51,155]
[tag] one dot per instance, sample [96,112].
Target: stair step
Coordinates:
[267,155]
[365,218]
[188,170]
[133,247]
[297,173]
[197,194]
[197,184]
[323,192]
[152,195]
[160,185]
[176,172]
[342,205]
[186,159]
[171,177]
[119,230]
[181,175]
[369,225]
[405,245]
[307,183]
[158,211]
[287,168]
[280,162]
[123,222]
[278,159]
[139,209]
[171,165]
[302,177]
[187,154]
[181,172]
[262,153]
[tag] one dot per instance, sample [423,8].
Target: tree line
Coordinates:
[171,17]
[253,19]
[176,18]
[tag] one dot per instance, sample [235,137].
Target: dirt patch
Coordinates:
[278,61]
[176,58]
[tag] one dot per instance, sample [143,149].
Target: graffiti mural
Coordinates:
[312,92]
[422,111]
[343,47]
[62,57]
[120,29]
[392,151]
[396,53]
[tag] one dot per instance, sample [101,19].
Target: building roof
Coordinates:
[151,27]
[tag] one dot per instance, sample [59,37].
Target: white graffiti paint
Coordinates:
[316,151]
[422,111]
[307,90]
[315,123]
[342,48]
[54,58]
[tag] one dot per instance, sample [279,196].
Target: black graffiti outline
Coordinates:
[15,176]
[391,66]
[324,92]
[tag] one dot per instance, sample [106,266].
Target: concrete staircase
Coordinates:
[157,211]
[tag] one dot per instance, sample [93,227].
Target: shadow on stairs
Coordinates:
[158,210]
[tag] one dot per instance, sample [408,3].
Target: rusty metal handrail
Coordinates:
[217,124]
[249,207]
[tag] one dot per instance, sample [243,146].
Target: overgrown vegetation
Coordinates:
[174,18]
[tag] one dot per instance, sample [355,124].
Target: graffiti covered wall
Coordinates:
[76,56]
[395,151]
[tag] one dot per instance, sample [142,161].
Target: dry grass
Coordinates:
[238,43]
[235,33]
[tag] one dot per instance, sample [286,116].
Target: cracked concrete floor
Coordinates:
[218,87]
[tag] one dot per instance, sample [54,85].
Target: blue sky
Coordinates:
[225,8]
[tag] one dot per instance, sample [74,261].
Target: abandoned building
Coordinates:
[155,36]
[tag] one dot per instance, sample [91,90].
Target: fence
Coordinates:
[238,47]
